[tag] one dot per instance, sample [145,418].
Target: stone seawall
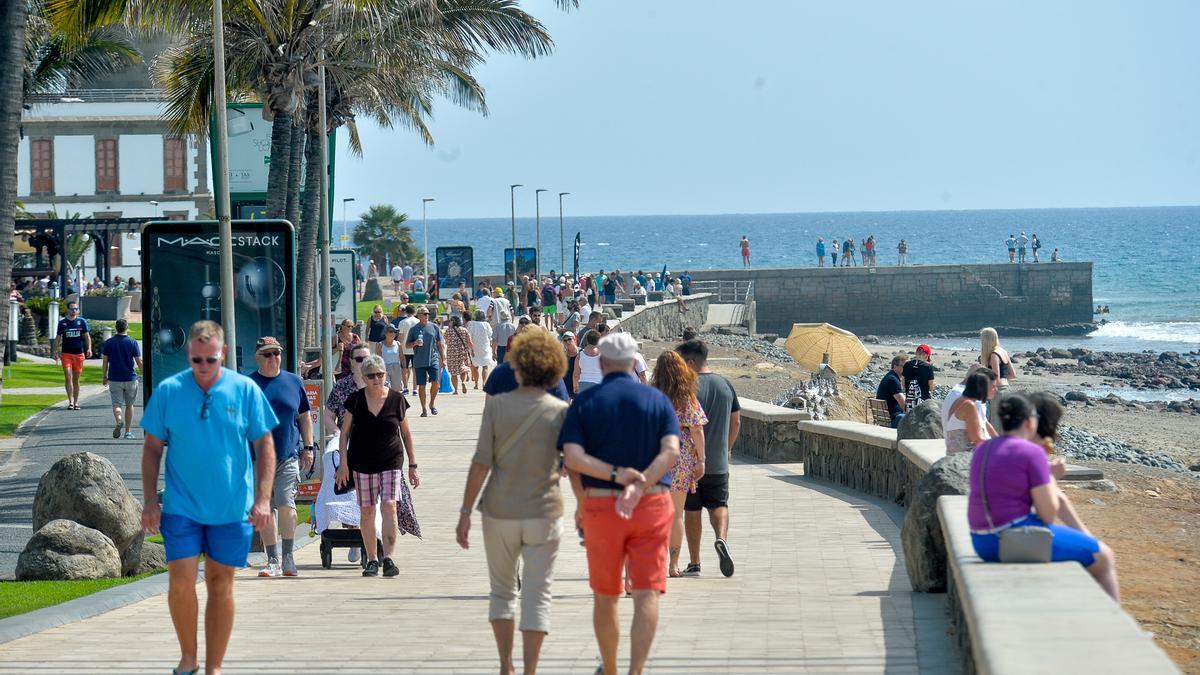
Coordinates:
[662,320]
[922,299]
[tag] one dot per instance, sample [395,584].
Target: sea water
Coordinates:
[1146,260]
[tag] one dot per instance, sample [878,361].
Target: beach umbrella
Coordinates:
[808,343]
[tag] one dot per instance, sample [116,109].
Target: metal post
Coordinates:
[345,222]
[223,207]
[512,202]
[562,244]
[537,264]
[425,247]
[325,228]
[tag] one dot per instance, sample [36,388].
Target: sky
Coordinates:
[784,106]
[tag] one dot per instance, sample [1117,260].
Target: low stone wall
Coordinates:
[662,320]
[769,433]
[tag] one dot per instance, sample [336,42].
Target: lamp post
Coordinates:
[154,203]
[537,264]
[562,244]
[225,226]
[325,230]
[425,248]
[512,202]
[345,226]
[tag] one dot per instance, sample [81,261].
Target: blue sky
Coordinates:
[670,106]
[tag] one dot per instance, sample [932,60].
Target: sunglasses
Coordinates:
[206,359]
[375,376]
[271,355]
[204,406]
[360,359]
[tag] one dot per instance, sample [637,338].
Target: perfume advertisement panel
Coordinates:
[455,265]
[181,268]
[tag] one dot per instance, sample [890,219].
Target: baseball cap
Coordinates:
[267,344]
[925,348]
[618,346]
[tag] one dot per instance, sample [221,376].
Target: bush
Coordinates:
[106,292]
[39,304]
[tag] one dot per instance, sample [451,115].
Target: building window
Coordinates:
[42,169]
[106,165]
[174,165]
[175,215]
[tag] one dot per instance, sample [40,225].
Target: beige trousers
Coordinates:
[534,541]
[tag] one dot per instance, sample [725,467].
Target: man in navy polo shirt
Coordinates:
[620,438]
[121,355]
[215,496]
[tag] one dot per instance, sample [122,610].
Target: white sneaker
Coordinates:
[352,556]
[270,570]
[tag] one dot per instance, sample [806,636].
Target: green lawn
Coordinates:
[18,597]
[26,374]
[15,409]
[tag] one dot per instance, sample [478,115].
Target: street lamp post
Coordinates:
[345,225]
[225,226]
[562,244]
[537,264]
[425,248]
[512,203]
[154,203]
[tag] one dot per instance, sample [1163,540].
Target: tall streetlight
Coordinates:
[345,225]
[425,248]
[537,264]
[562,243]
[224,226]
[512,189]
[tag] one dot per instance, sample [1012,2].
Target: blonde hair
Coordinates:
[205,330]
[988,342]
[377,307]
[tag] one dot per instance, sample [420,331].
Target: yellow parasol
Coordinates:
[809,342]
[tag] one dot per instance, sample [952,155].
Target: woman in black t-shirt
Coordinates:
[374,438]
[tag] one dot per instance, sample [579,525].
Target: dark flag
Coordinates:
[577,243]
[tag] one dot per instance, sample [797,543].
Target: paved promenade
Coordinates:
[820,588]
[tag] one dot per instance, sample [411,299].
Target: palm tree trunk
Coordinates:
[12,67]
[281,164]
[296,158]
[306,258]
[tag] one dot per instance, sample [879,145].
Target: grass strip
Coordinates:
[19,597]
[25,375]
[16,408]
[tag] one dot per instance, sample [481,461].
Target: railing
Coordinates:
[98,96]
[725,292]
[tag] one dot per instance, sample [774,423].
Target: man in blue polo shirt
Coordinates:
[620,438]
[121,355]
[429,353]
[208,415]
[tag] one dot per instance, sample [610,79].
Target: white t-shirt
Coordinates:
[639,363]
[954,394]
[585,310]
[397,273]
[404,327]
[482,304]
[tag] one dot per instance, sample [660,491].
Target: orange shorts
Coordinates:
[610,539]
[72,362]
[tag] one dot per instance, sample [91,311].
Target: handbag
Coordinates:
[1023,544]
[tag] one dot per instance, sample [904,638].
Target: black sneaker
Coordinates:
[372,569]
[692,570]
[726,559]
[389,568]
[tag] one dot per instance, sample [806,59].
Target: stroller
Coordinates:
[331,508]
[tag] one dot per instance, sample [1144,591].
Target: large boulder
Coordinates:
[153,557]
[88,489]
[922,422]
[924,545]
[63,549]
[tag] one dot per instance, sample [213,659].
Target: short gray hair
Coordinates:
[372,364]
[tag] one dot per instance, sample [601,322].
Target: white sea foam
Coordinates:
[1151,331]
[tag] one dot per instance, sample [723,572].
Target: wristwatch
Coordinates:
[612,475]
[308,448]
[466,510]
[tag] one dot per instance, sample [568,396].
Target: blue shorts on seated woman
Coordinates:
[1068,543]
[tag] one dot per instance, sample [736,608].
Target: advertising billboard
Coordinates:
[181,272]
[341,285]
[455,265]
[249,149]
[526,262]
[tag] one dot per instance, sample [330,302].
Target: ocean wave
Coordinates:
[1155,331]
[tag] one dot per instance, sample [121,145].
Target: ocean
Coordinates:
[1146,260]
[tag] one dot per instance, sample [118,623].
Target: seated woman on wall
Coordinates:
[1021,490]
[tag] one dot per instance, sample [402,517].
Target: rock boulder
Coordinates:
[88,489]
[1077,396]
[922,422]
[924,545]
[63,549]
[153,557]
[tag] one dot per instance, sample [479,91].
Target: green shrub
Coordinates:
[39,304]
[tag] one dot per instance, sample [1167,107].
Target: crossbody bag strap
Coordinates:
[987,512]
[509,442]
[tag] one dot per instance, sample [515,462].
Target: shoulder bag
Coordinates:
[1023,544]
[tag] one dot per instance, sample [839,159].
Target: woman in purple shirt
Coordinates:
[1021,490]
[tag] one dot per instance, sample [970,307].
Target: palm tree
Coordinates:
[54,64]
[12,68]
[382,234]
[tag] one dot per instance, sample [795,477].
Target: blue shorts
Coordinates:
[1069,543]
[228,544]
[426,375]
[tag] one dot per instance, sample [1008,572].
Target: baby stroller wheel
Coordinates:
[326,555]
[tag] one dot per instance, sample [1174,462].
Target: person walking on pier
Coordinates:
[215,495]
[429,353]
[820,252]
[620,440]
[1011,243]
[1022,244]
[834,251]
[745,245]
[121,355]
[673,378]
[74,345]
[902,252]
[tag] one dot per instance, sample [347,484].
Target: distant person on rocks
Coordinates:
[121,354]
[820,252]
[522,504]
[745,245]
[835,250]
[992,355]
[1014,485]
[620,440]
[429,353]
[1035,244]
[372,270]
[918,377]
[1011,243]
[720,404]
[1022,244]
[902,252]
[673,378]
[74,345]
[891,391]
[965,424]
[215,494]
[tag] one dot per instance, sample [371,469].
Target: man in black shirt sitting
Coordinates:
[891,391]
